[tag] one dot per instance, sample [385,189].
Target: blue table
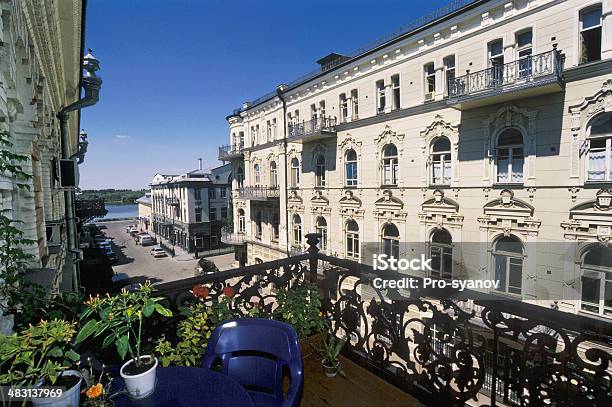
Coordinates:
[187,387]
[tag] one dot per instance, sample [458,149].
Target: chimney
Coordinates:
[200,164]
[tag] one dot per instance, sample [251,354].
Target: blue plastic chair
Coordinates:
[257,352]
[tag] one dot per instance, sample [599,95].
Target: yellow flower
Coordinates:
[95,391]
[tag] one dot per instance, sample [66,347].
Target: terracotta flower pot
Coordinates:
[331,371]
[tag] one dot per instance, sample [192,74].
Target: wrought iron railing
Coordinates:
[445,346]
[258,192]
[313,126]
[230,151]
[230,237]
[531,70]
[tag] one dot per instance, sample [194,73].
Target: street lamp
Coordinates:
[173,202]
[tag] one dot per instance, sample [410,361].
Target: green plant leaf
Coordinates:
[163,310]
[89,328]
[123,343]
[72,355]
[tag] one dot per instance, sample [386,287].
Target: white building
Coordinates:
[489,124]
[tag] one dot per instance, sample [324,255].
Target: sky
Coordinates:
[174,69]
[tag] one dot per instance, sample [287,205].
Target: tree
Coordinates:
[90,209]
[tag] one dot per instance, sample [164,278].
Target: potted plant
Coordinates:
[330,350]
[98,391]
[119,319]
[41,355]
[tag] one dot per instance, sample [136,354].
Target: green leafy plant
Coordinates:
[37,354]
[99,390]
[193,333]
[301,307]
[330,349]
[120,319]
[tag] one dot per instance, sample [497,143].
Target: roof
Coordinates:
[145,200]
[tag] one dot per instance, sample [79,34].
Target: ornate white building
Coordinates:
[483,133]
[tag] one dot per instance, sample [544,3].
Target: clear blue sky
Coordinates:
[174,69]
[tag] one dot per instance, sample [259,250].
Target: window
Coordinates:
[508,264]
[223,192]
[355,103]
[258,224]
[322,108]
[269,130]
[197,194]
[390,240]
[212,214]
[275,227]
[351,168]
[441,254]
[273,175]
[257,174]
[320,171]
[295,173]
[321,229]
[212,193]
[198,214]
[430,80]
[596,280]
[240,177]
[223,213]
[352,239]
[441,161]
[395,87]
[524,51]
[313,111]
[297,229]
[241,221]
[599,167]
[389,164]
[449,70]
[343,107]
[496,60]
[274,135]
[510,158]
[380,96]
[241,139]
[590,34]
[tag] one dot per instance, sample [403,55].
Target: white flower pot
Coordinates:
[331,371]
[141,385]
[69,398]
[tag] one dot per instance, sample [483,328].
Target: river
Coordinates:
[121,212]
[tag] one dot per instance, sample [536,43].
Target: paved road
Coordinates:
[137,263]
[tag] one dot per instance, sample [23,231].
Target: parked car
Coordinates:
[134,230]
[147,240]
[108,251]
[158,252]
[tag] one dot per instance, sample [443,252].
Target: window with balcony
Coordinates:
[508,264]
[524,48]
[590,34]
[380,96]
[352,239]
[390,240]
[258,224]
[355,103]
[449,70]
[240,177]
[441,164]
[596,280]
[599,144]
[257,174]
[241,139]
[212,213]
[241,221]
[320,171]
[496,61]
[313,111]
[273,175]
[198,214]
[295,173]
[390,165]
[343,102]
[441,254]
[321,229]
[510,156]
[275,227]
[322,108]
[395,92]
[430,81]
[296,222]
[350,168]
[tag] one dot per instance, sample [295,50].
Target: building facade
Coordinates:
[188,210]
[145,213]
[483,134]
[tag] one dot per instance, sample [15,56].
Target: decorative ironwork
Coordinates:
[319,125]
[258,192]
[230,151]
[231,237]
[534,70]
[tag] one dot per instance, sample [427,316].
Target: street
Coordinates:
[137,263]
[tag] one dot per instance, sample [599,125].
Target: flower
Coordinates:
[95,391]
[229,292]
[200,291]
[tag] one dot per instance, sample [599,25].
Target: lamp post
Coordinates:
[173,202]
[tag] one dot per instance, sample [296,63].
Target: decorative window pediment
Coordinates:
[440,211]
[591,106]
[319,199]
[440,127]
[591,220]
[389,207]
[294,197]
[388,136]
[347,144]
[350,200]
[508,214]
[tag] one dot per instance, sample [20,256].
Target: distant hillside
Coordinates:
[112,196]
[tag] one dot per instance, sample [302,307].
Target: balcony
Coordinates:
[444,347]
[258,193]
[315,129]
[530,76]
[232,238]
[230,152]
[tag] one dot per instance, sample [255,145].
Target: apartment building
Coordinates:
[188,210]
[144,212]
[488,122]
[41,74]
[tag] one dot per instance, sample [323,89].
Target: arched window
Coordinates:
[599,167]
[295,173]
[510,156]
[441,164]
[508,264]
[321,228]
[596,280]
[258,224]
[240,177]
[273,175]
[320,171]
[275,227]
[389,165]
[390,240]
[351,168]
[352,239]
[441,254]
[297,229]
[241,221]
[257,174]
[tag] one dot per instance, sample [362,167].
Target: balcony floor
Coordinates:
[359,387]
